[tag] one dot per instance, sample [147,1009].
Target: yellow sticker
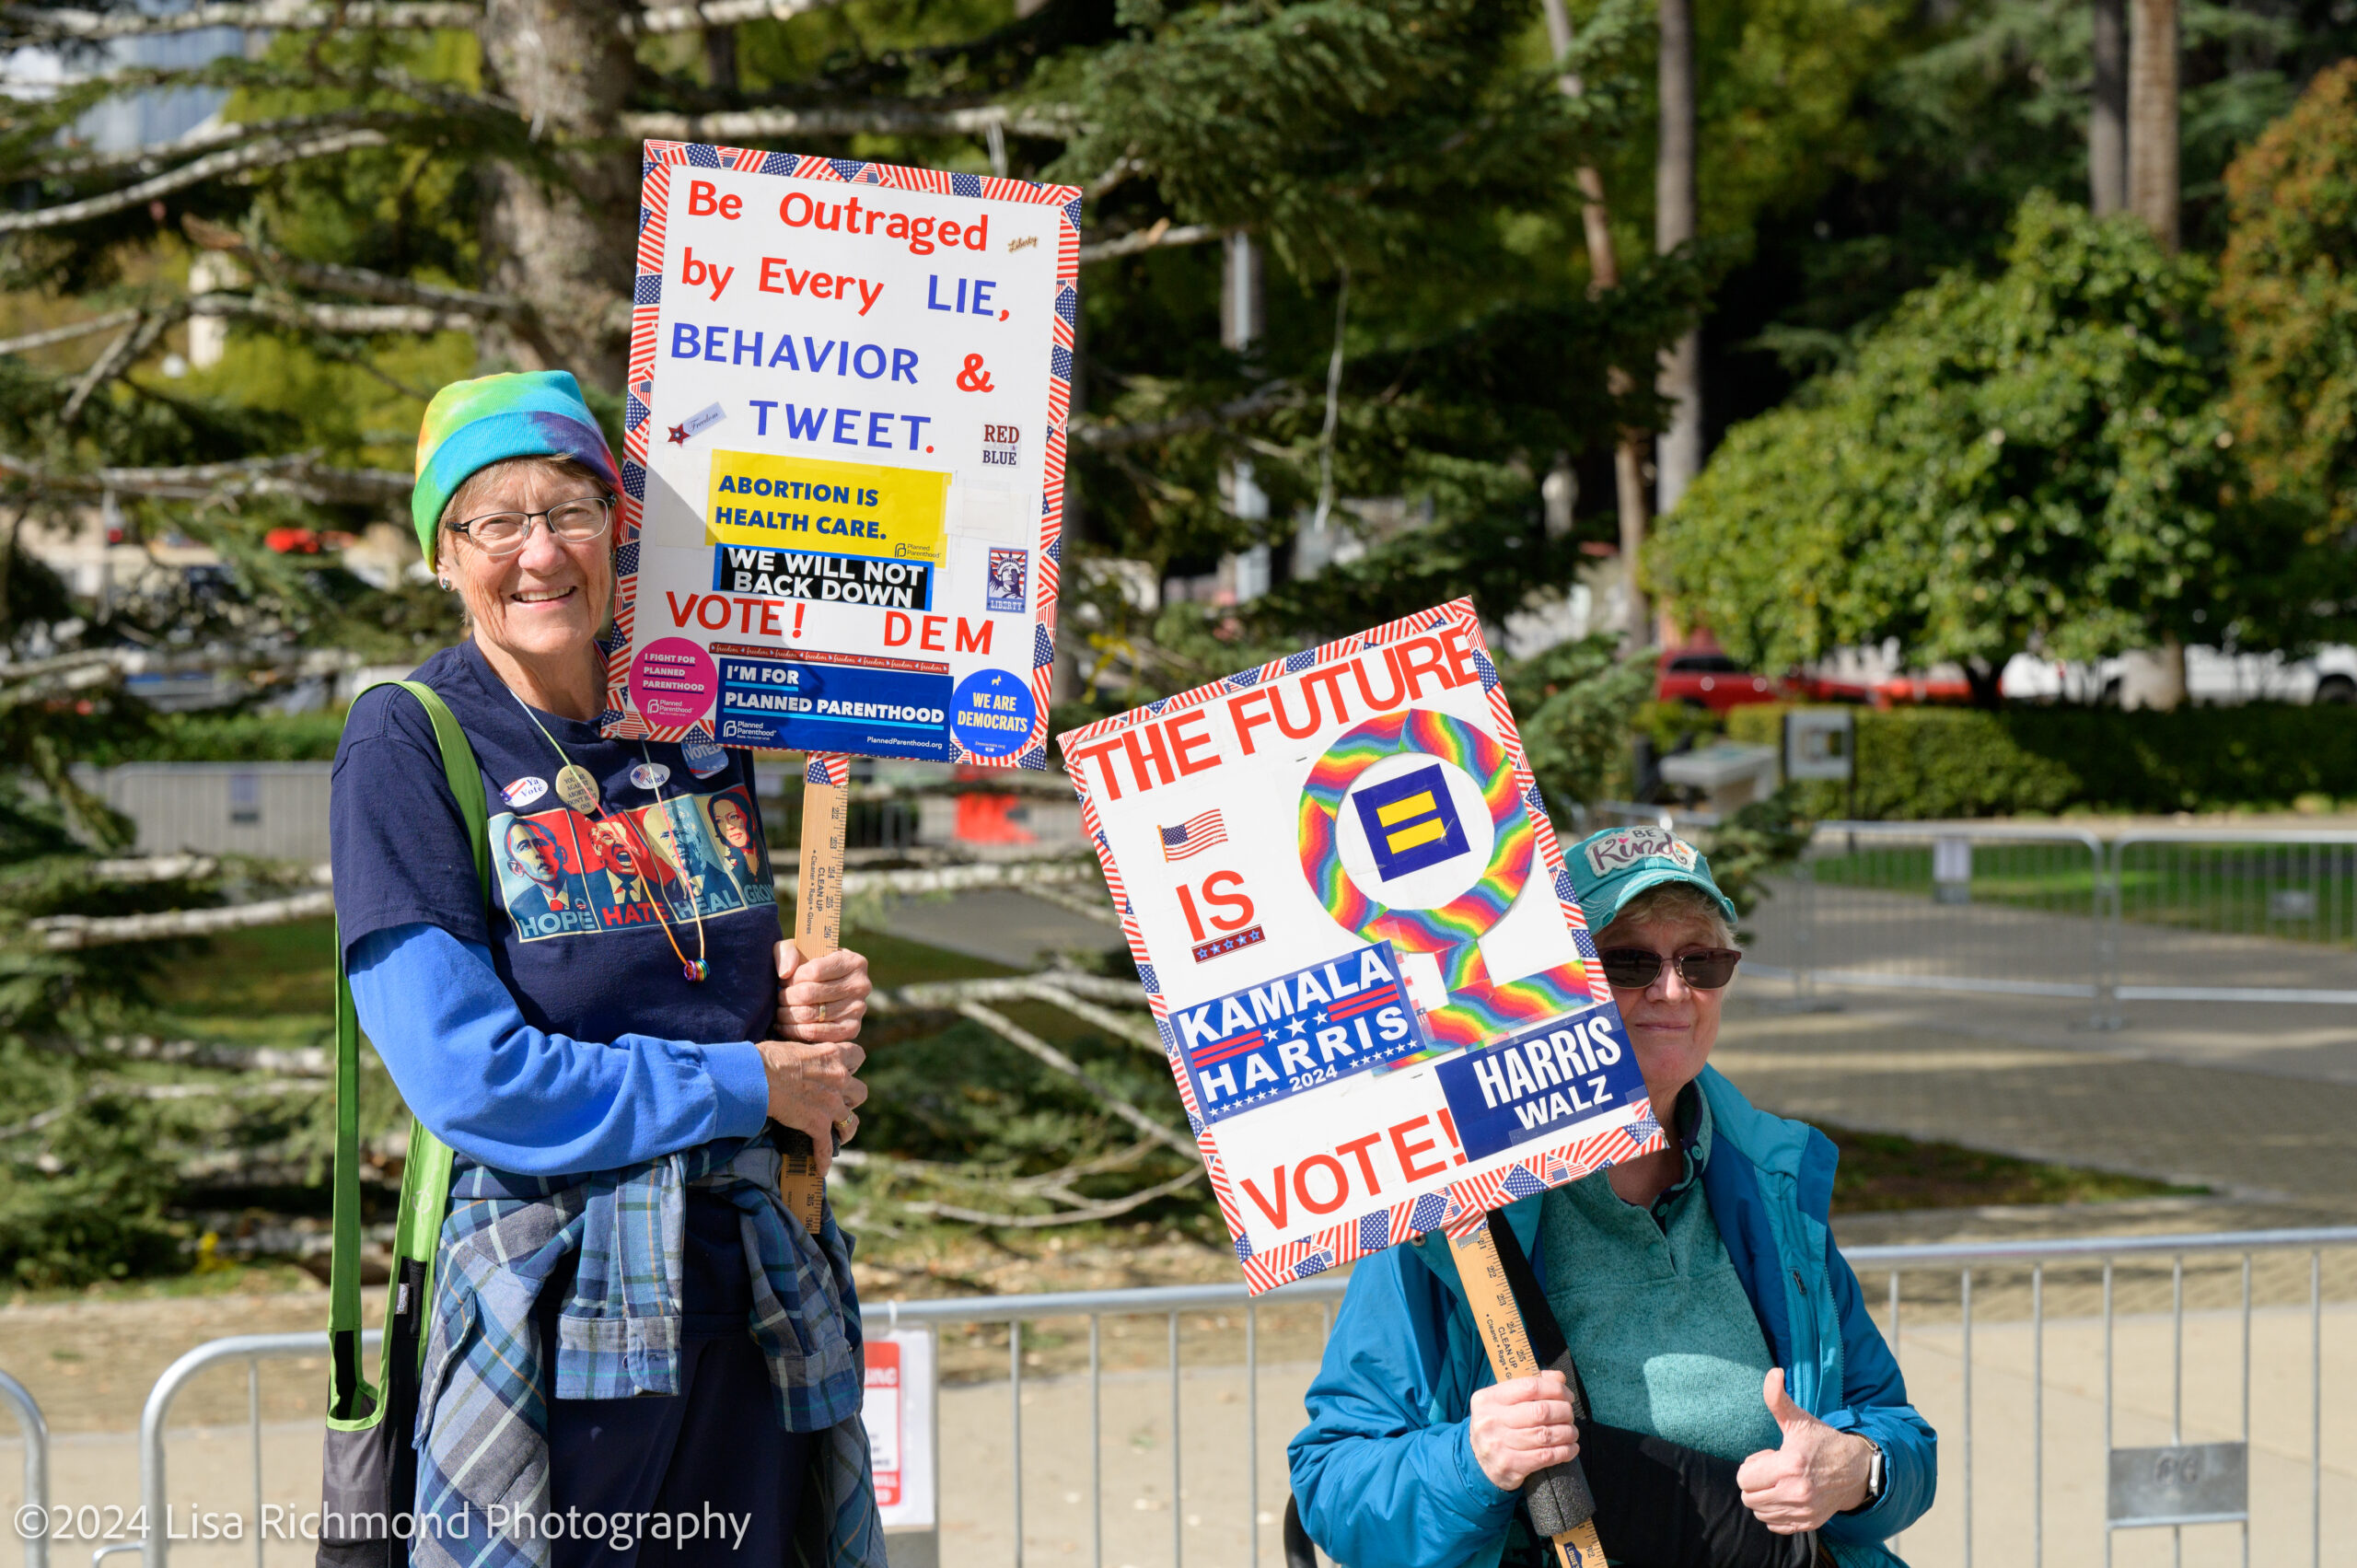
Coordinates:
[843,508]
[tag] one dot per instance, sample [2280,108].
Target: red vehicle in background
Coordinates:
[1701,675]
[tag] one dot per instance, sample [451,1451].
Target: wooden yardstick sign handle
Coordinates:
[1522,1342]
[818,930]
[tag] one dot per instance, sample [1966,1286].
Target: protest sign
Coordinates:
[842,478]
[1355,926]
[897,1408]
[843,456]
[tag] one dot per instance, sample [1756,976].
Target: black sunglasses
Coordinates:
[1633,969]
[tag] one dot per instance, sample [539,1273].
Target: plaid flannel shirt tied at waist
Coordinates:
[482,1413]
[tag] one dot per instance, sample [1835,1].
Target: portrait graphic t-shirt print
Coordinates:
[679,858]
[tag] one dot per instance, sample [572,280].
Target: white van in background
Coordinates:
[2330,676]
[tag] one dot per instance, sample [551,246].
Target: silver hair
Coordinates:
[1675,902]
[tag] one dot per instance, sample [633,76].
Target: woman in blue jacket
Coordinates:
[1740,1404]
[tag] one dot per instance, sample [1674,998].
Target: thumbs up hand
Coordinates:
[1816,1472]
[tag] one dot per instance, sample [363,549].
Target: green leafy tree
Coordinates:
[2288,290]
[2037,460]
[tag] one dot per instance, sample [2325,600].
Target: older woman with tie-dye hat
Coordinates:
[1737,1407]
[625,1323]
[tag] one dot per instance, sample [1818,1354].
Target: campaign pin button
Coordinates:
[576,788]
[703,758]
[524,791]
[649,776]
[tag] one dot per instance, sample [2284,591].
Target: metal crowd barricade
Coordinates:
[1974,1315]
[2202,914]
[35,1430]
[1975,908]
[2182,914]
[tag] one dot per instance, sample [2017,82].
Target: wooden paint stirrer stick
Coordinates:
[1524,1339]
[818,930]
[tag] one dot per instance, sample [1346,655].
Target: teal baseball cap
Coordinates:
[1613,866]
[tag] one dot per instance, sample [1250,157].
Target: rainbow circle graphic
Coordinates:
[1452,929]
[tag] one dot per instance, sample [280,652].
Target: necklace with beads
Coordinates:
[577,787]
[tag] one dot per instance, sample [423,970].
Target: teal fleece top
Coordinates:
[1657,1322]
[1384,1472]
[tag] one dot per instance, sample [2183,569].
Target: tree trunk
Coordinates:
[566,244]
[1678,456]
[1604,272]
[720,57]
[2107,119]
[2153,118]
[2152,194]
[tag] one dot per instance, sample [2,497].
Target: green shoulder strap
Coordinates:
[425,1177]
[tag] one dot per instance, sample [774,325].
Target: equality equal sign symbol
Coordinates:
[1410,822]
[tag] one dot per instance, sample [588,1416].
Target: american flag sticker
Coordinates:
[1194,835]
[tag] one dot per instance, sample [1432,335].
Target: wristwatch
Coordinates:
[1875,1475]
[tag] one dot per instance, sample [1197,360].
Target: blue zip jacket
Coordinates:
[1384,1473]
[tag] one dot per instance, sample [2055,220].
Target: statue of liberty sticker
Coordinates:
[1009,578]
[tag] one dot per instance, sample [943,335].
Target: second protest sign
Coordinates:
[1352,920]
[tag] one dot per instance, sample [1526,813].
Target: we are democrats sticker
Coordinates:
[1542,1084]
[1312,1026]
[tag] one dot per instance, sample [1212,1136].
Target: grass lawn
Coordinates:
[1881,1171]
[2297,891]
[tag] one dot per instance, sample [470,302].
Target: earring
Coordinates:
[445,584]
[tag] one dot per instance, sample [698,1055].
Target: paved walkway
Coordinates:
[2176,1104]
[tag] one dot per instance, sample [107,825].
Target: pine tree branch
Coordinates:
[120,356]
[297,475]
[259,154]
[68,333]
[1113,438]
[337,317]
[359,281]
[879,117]
[154,157]
[1109,1209]
[39,680]
[1017,1035]
[1154,238]
[30,24]
[718,13]
[61,932]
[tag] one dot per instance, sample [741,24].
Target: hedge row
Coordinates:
[1924,763]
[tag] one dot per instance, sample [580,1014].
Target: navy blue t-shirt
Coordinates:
[575,926]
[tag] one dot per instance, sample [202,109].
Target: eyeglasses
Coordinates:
[572,522]
[1631,968]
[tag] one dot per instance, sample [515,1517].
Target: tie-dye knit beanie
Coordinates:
[471,425]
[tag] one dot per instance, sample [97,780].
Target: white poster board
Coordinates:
[1354,923]
[843,456]
[897,1413]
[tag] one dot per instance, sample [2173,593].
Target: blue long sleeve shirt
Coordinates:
[521,1100]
